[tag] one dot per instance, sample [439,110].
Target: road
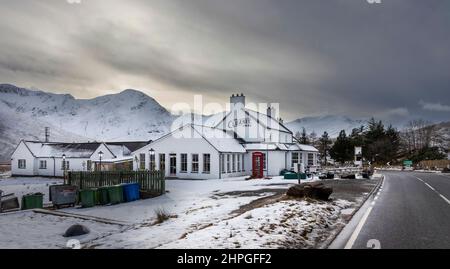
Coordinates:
[411,211]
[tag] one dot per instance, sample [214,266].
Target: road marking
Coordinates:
[433,189]
[358,229]
[429,186]
[445,198]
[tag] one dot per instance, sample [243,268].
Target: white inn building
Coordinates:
[240,142]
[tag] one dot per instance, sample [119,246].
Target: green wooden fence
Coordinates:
[153,182]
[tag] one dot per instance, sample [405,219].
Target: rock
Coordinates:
[76,230]
[315,190]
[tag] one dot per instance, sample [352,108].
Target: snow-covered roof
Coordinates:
[302,147]
[71,150]
[261,146]
[116,160]
[223,141]
[78,150]
[118,150]
[266,120]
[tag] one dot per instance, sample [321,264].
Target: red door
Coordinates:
[258,166]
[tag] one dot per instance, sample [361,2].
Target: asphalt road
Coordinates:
[412,211]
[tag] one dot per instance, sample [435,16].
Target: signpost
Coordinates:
[407,163]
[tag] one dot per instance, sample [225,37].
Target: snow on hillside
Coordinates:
[129,115]
[331,124]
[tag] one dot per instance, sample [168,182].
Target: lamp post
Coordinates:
[152,159]
[100,155]
[64,166]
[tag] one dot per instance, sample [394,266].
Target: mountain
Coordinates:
[331,124]
[129,115]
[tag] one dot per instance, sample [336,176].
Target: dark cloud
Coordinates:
[314,57]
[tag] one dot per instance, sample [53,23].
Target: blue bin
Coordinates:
[131,192]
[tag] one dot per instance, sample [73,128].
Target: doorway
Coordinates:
[173,165]
[258,165]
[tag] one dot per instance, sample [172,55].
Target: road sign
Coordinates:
[407,163]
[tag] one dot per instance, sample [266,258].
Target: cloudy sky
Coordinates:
[314,57]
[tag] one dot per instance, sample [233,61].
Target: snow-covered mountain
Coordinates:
[331,124]
[129,115]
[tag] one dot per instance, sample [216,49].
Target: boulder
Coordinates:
[314,190]
[76,230]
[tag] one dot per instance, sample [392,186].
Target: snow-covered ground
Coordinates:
[21,186]
[203,214]
[29,230]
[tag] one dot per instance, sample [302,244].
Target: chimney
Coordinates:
[271,111]
[237,100]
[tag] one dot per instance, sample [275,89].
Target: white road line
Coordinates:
[429,186]
[433,189]
[445,199]
[358,229]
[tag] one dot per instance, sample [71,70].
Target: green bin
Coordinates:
[32,201]
[88,197]
[115,194]
[102,195]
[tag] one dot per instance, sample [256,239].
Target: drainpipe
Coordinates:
[220,165]
[54,167]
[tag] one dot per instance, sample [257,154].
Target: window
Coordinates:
[152,163]
[162,162]
[142,161]
[194,163]
[234,163]
[228,164]
[65,165]
[310,159]
[184,162]
[243,164]
[222,164]
[206,163]
[22,164]
[264,161]
[295,159]
[89,165]
[239,162]
[42,164]
[300,154]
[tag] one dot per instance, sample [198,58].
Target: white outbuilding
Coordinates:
[51,159]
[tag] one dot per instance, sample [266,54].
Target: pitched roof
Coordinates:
[71,150]
[222,140]
[80,150]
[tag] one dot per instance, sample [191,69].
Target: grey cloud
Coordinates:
[314,57]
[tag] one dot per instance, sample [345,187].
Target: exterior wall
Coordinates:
[276,161]
[239,172]
[304,159]
[55,169]
[181,145]
[23,153]
[107,155]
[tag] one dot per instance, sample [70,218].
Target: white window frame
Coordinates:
[183,163]
[206,163]
[239,162]
[195,163]
[42,165]
[22,164]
